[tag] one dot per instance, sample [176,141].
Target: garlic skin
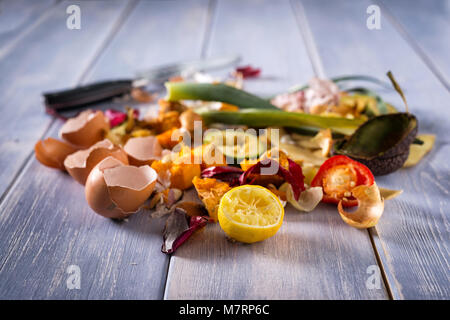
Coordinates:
[115,190]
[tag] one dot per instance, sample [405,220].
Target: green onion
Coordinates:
[215,92]
[265,118]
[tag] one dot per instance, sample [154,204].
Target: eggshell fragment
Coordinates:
[143,150]
[52,152]
[96,190]
[115,190]
[80,163]
[85,129]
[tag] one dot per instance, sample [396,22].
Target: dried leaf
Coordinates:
[179,228]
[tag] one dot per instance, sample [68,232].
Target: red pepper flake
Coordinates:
[248,71]
[179,228]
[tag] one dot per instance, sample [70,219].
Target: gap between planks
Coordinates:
[47,13]
[414,45]
[27,162]
[212,9]
[316,61]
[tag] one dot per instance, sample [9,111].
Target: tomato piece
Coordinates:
[338,176]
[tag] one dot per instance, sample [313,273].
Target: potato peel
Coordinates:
[370,207]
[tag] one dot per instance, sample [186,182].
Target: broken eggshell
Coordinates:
[80,163]
[143,150]
[115,190]
[52,152]
[85,129]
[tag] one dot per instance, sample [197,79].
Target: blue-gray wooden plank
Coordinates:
[426,25]
[17,18]
[314,255]
[412,237]
[45,223]
[47,57]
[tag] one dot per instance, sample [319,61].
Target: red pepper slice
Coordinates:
[338,176]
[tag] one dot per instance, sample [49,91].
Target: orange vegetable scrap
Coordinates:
[181,174]
[210,191]
[166,141]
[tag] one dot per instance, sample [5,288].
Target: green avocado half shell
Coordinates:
[382,143]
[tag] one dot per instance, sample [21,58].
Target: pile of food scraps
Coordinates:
[246,157]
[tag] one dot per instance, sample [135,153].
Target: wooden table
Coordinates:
[46,225]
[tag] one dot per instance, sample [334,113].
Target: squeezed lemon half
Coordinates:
[250,213]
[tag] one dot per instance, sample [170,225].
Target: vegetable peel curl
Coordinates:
[308,199]
[370,207]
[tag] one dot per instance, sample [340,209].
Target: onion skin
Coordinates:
[370,207]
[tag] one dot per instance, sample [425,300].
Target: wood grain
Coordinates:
[313,256]
[45,223]
[412,237]
[17,18]
[48,57]
[426,26]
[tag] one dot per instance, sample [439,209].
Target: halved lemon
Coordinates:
[250,213]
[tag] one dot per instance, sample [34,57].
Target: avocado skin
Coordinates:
[381,166]
[391,160]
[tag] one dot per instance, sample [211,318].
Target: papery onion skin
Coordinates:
[370,207]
